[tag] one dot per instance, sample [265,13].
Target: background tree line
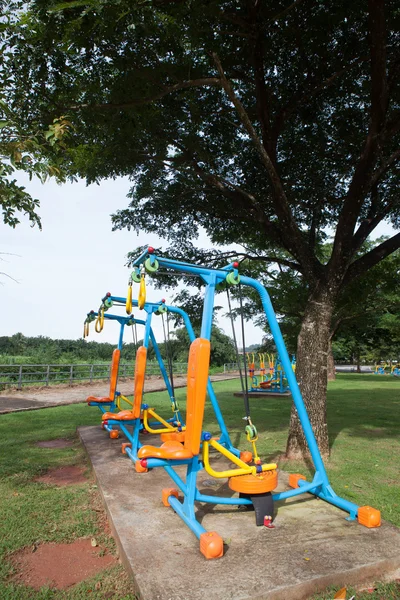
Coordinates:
[44,350]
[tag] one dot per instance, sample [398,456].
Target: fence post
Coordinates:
[91,374]
[20,378]
[109,372]
[71,374]
[47,375]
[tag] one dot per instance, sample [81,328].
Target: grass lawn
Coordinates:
[364,427]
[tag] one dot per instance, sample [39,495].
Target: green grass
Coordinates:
[34,513]
[380,591]
[364,427]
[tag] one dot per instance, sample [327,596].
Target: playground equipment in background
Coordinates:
[273,382]
[255,481]
[380,369]
[395,371]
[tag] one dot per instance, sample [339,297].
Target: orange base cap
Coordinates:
[114,434]
[211,544]
[294,479]
[254,484]
[123,446]
[139,468]
[369,517]
[166,493]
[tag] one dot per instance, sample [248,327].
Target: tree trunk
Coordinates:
[358,361]
[331,363]
[312,357]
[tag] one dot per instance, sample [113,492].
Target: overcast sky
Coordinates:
[64,270]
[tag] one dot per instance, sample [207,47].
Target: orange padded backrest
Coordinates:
[140,371]
[197,378]
[114,372]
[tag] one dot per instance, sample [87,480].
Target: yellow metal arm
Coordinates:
[243,469]
[168,428]
[125,399]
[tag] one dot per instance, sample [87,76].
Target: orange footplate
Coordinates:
[174,436]
[167,451]
[254,484]
[103,399]
[123,415]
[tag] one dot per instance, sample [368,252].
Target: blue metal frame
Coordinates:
[320,485]
[152,308]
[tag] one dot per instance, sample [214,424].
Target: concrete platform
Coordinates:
[312,546]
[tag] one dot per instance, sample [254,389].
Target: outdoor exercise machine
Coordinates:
[255,481]
[111,402]
[273,383]
[381,369]
[395,371]
[138,416]
[151,426]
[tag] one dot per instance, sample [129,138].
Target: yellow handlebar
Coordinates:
[244,468]
[142,293]
[99,321]
[128,306]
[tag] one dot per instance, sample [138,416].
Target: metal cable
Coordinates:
[243,380]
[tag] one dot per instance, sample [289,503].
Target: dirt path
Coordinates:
[33,398]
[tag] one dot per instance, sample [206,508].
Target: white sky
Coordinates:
[64,270]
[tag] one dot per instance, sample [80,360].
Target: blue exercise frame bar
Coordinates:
[320,485]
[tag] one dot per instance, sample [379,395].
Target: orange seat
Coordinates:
[123,415]
[104,399]
[174,436]
[254,484]
[116,355]
[198,364]
[265,384]
[168,451]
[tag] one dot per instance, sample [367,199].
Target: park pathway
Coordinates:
[33,398]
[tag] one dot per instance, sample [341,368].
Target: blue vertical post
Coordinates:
[287,365]
[121,335]
[208,307]
[147,330]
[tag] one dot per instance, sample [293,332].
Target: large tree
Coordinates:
[267,123]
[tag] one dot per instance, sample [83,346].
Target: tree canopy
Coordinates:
[267,124]
[261,122]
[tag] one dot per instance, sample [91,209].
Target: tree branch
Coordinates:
[182,85]
[359,185]
[263,96]
[270,259]
[291,234]
[372,258]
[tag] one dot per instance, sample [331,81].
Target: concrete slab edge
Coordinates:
[384,570]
